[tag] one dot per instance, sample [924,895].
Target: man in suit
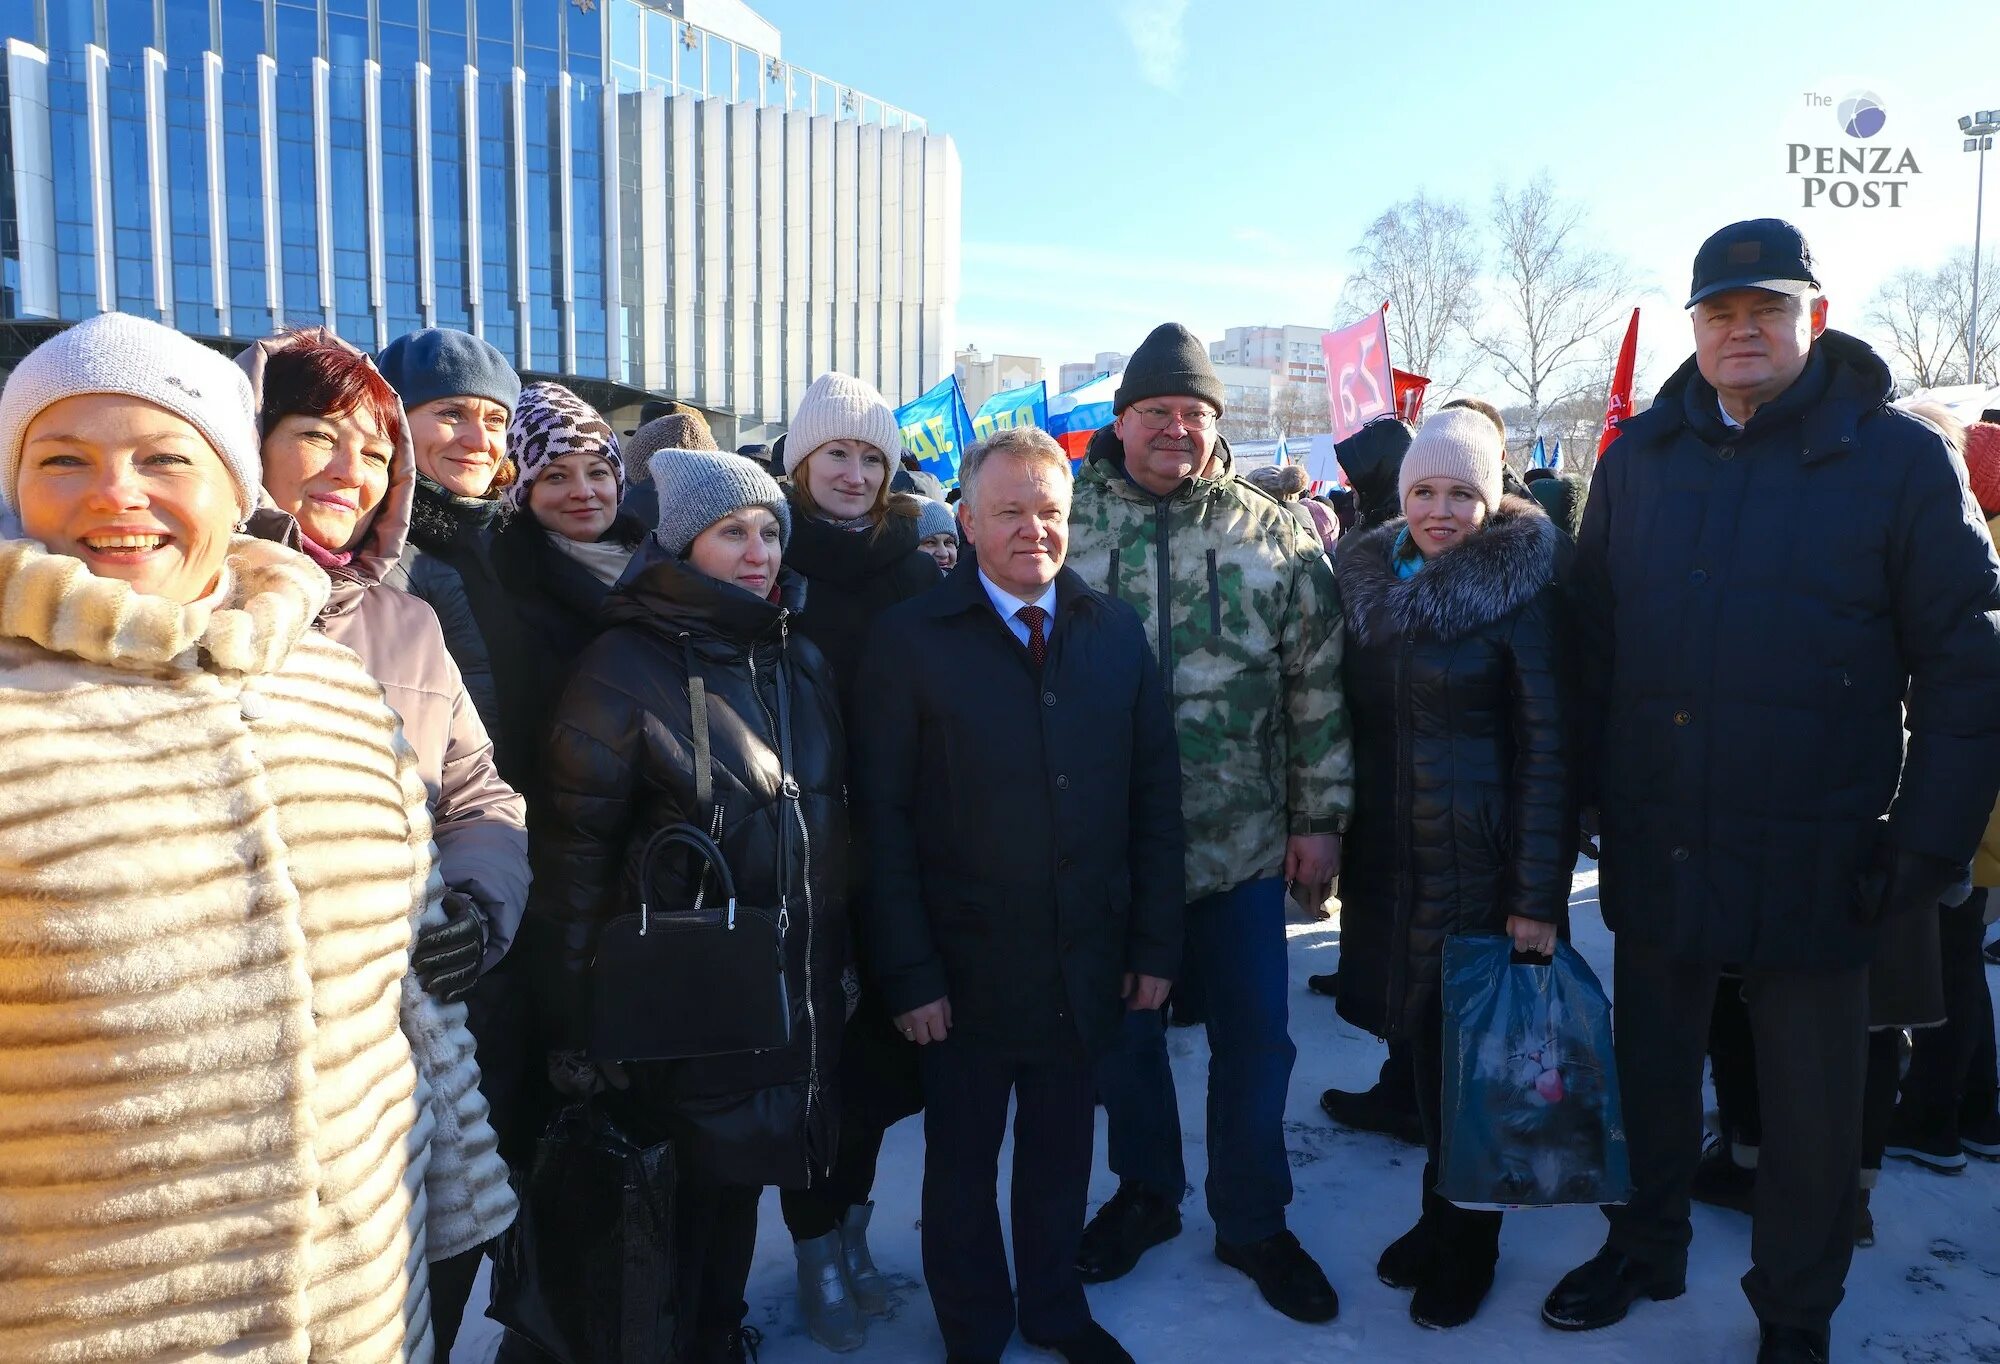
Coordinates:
[1018,788]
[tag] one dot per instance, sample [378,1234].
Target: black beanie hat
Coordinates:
[1169,363]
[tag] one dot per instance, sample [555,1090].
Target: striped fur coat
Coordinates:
[213,846]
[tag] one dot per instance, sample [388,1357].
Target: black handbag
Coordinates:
[709,979]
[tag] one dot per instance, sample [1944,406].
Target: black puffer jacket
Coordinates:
[1763,613]
[1463,813]
[555,601]
[448,563]
[620,767]
[851,578]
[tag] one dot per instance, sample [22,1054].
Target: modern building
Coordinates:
[982,376]
[1292,353]
[641,197]
[1247,395]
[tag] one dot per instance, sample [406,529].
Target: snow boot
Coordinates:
[1864,1222]
[1131,1222]
[1722,1181]
[1289,1279]
[824,1299]
[1404,1263]
[864,1280]
[1791,1345]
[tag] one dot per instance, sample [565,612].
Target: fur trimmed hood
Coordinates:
[1490,576]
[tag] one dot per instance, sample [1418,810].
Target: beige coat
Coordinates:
[213,846]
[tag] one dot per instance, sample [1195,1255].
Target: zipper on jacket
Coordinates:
[1164,605]
[789,791]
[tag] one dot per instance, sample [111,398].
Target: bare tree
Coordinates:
[1954,283]
[1554,296]
[1908,314]
[1299,409]
[1422,255]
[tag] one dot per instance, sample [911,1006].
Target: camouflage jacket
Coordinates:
[1252,658]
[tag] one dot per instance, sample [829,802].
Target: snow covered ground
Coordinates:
[1927,1293]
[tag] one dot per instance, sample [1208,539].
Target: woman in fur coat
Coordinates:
[213,851]
[1462,820]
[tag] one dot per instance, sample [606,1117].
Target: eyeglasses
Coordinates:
[1160,418]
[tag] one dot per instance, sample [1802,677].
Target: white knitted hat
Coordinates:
[841,407]
[1456,443]
[120,353]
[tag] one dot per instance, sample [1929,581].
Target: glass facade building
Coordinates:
[641,197]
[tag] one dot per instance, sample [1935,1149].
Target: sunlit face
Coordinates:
[845,478]
[1017,519]
[1167,441]
[942,547]
[460,443]
[1442,512]
[132,490]
[742,549]
[329,472]
[1752,343]
[576,496]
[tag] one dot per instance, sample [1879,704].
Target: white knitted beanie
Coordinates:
[1456,443]
[120,353]
[841,407]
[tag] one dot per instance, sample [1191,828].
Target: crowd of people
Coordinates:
[351,704]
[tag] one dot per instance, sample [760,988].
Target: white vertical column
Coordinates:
[565,272]
[267,150]
[655,191]
[683,283]
[712,376]
[947,213]
[891,310]
[422,151]
[846,257]
[614,238]
[915,378]
[868,246]
[322,75]
[518,181]
[96,94]
[820,302]
[741,332]
[798,259]
[28,120]
[770,404]
[218,185]
[475,252]
[371,125]
[159,190]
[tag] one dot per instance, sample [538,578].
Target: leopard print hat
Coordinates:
[549,422]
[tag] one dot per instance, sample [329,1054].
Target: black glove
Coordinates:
[1900,882]
[446,956]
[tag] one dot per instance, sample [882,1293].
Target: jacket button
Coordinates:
[1681,717]
[1680,854]
[1062,781]
[1698,577]
[1048,698]
[1726,452]
[1064,865]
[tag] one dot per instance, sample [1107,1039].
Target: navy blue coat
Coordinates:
[1023,831]
[1762,613]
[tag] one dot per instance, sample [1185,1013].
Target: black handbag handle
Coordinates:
[689,837]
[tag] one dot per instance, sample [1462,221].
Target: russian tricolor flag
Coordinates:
[1075,416]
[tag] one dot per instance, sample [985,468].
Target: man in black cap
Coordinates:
[1778,575]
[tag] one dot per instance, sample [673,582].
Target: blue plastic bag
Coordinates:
[1531,1116]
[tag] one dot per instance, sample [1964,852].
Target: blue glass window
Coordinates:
[449,187]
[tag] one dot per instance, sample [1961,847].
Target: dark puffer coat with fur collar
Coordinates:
[1463,814]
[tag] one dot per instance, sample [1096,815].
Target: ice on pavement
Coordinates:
[1928,1292]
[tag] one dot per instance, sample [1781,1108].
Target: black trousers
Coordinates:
[1951,1081]
[451,1288]
[1732,1062]
[966,1088]
[1811,1033]
[1469,1234]
[812,1213]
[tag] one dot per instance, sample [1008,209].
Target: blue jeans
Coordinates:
[1235,954]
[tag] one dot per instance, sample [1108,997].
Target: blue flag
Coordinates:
[1024,406]
[937,429]
[1540,458]
[1556,455]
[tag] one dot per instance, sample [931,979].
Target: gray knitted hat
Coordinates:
[842,407]
[440,362]
[681,429]
[1458,443]
[123,354]
[697,488]
[935,518]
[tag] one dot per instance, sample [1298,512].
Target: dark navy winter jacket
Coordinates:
[1763,613]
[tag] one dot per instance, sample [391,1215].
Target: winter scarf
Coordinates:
[216,1138]
[604,560]
[1486,576]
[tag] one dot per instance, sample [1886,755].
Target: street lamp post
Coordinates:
[1978,129]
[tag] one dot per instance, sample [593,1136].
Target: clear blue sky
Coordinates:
[1128,161]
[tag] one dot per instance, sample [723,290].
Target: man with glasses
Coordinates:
[1239,603]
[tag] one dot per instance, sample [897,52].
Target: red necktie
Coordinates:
[1038,643]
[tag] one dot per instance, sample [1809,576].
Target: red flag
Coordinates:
[1409,389]
[1620,405]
